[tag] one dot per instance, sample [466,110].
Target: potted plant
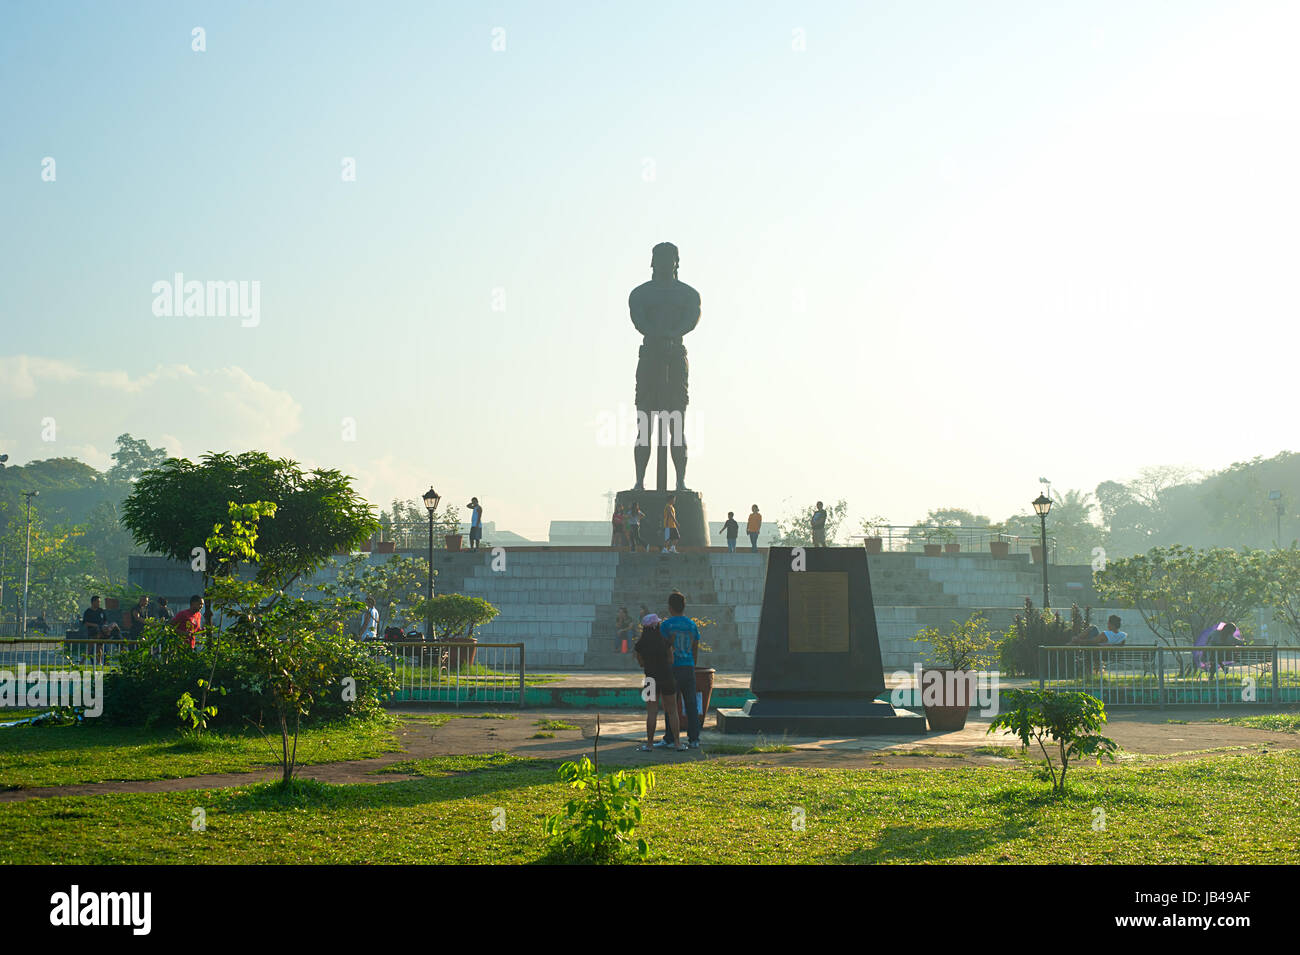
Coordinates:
[997,546]
[871,527]
[933,536]
[454,617]
[949,669]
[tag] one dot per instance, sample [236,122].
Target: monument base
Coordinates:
[692,522]
[820,716]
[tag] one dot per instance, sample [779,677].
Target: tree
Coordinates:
[132,458]
[1071,720]
[397,584]
[172,509]
[1179,592]
[294,644]
[796,529]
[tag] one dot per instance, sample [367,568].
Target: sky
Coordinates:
[943,248]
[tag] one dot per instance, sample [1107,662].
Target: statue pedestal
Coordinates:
[692,522]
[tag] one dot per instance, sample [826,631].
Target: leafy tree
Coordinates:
[795,530]
[1282,588]
[1071,720]
[294,644]
[397,584]
[132,458]
[455,616]
[1179,591]
[172,509]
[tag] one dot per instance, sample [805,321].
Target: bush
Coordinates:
[1070,720]
[1034,629]
[144,691]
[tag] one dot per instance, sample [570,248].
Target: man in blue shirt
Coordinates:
[681,631]
[475,523]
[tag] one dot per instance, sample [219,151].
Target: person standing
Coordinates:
[654,653]
[163,612]
[618,520]
[671,534]
[732,530]
[819,526]
[190,621]
[754,525]
[685,637]
[139,614]
[370,621]
[633,522]
[475,523]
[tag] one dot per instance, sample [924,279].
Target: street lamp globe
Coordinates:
[1042,505]
[431,500]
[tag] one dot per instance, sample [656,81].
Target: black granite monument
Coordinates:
[817,669]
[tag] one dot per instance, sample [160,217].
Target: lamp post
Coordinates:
[27,559]
[1042,506]
[431,503]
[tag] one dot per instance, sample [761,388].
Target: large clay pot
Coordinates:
[1000,548]
[952,548]
[933,550]
[704,687]
[875,545]
[386,547]
[460,655]
[453,541]
[951,696]
[1036,553]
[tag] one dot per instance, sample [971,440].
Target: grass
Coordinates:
[441,719]
[1277,722]
[542,736]
[707,812]
[412,675]
[556,725]
[92,752]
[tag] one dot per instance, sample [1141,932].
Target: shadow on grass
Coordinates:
[461,779]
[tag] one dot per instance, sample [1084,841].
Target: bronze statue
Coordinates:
[663,311]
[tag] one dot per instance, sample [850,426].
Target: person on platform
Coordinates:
[475,523]
[754,525]
[633,524]
[618,520]
[819,525]
[671,535]
[732,530]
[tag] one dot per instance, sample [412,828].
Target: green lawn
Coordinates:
[92,752]
[1229,809]
[1278,722]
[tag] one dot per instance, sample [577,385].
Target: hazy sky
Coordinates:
[943,248]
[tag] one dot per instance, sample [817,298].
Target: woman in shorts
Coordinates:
[659,689]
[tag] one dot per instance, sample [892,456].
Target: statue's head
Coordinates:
[663,259]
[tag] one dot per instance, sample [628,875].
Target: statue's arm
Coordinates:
[691,313]
[637,310]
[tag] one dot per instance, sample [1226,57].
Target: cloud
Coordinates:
[56,408]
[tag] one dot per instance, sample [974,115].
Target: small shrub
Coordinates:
[1035,628]
[1070,720]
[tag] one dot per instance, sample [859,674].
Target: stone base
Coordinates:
[692,522]
[818,717]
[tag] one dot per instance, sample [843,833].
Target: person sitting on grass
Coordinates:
[655,656]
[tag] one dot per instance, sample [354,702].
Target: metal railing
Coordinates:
[87,654]
[904,538]
[1174,676]
[457,671]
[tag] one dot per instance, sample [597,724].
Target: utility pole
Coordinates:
[27,559]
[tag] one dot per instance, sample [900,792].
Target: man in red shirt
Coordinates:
[190,622]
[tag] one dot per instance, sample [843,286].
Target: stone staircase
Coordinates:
[648,579]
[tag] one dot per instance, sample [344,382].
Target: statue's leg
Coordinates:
[641,453]
[678,423]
